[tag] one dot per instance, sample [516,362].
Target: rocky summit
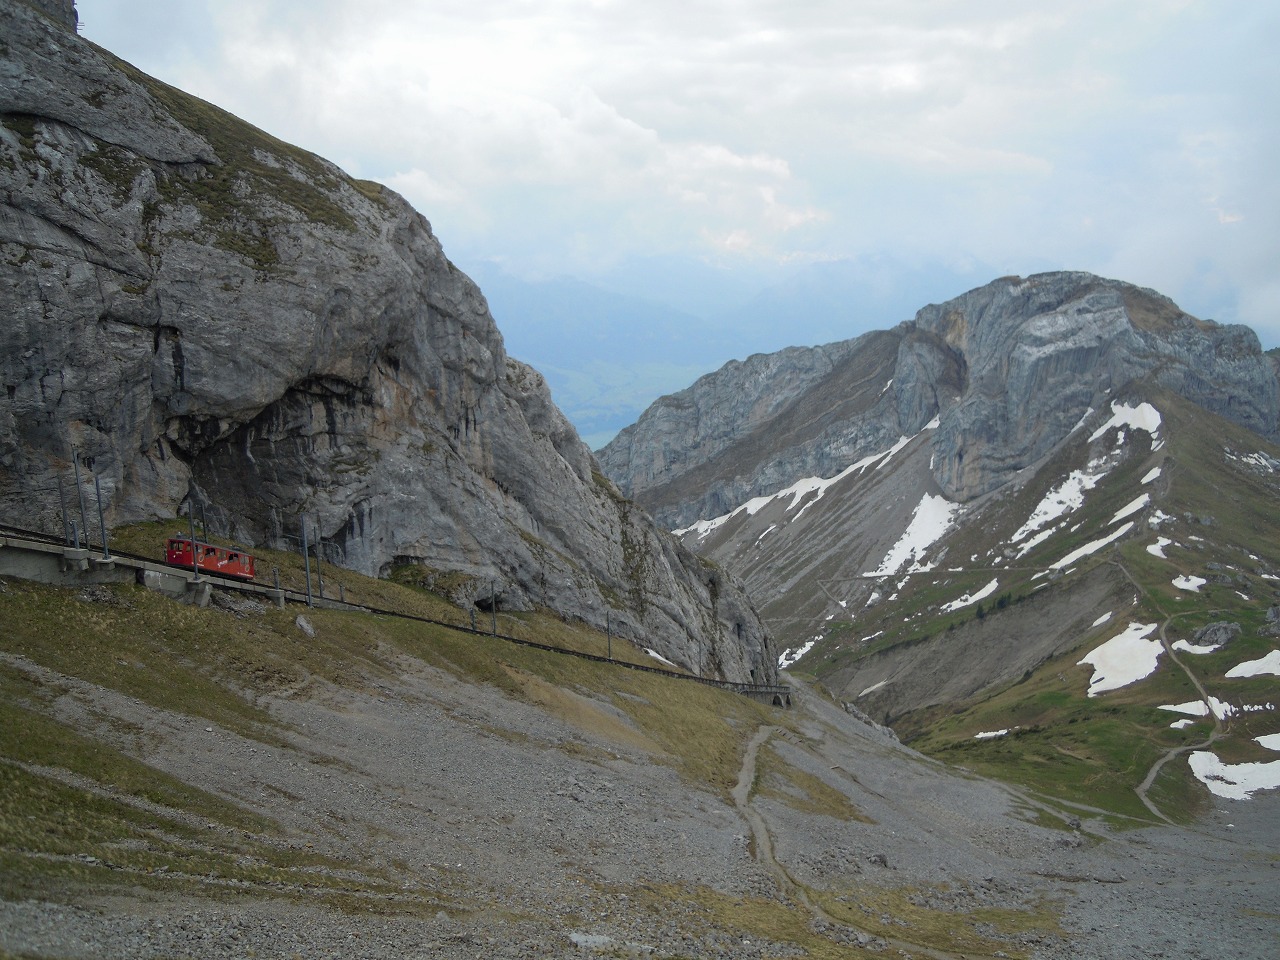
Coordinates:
[998,528]
[1009,370]
[205,315]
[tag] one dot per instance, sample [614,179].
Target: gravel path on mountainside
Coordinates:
[542,842]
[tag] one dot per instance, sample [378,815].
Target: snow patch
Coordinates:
[1131,508]
[990,734]
[930,520]
[1185,647]
[1152,474]
[1190,583]
[1194,708]
[1142,417]
[874,687]
[1234,781]
[1063,499]
[659,657]
[1092,547]
[1270,664]
[1124,659]
[1157,549]
[1101,620]
[787,657]
[969,599]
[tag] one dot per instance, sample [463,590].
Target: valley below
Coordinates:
[381,791]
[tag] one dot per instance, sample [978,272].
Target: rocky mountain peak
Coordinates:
[207,315]
[1008,369]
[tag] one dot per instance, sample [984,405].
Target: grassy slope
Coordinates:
[68,796]
[1094,751]
[79,817]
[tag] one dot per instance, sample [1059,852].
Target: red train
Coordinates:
[225,561]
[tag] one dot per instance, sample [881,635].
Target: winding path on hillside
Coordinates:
[764,854]
[1143,789]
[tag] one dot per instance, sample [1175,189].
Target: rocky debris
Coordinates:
[463,802]
[236,604]
[211,317]
[1216,634]
[1009,370]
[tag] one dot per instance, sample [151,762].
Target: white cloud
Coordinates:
[1122,138]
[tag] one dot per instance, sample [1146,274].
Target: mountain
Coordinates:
[206,315]
[941,521]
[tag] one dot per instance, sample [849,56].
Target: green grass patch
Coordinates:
[782,781]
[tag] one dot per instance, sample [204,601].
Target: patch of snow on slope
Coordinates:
[1270,664]
[1065,498]
[990,734]
[1185,647]
[1189,583]
[1092,547]
[1142,417]
[801,489]
[1194,708]
[1157,549]
[874,687]
[1234,781]
[1151,475]
[1180,724]
[1131,508]
[787,658]
[931,519]
[1257,462]
[1101,620]
[659,657]
[1124,659]
[968,599]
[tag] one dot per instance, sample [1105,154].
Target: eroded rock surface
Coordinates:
[202,311]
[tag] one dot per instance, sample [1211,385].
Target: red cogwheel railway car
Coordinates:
[224,561]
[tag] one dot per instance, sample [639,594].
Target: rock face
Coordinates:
[1008,369]
[204,312]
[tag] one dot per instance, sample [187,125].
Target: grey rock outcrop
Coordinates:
[1008,369]
[206,313]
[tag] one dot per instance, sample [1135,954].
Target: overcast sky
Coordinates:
[1137,139]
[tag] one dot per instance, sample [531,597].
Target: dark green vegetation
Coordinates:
[1222,526]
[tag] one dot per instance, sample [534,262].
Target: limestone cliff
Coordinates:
[206,312]
[1008,369]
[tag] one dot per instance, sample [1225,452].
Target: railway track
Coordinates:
[779,694]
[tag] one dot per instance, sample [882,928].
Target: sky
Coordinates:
[695,153]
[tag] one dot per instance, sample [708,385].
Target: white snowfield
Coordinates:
[808,490]
[1189,583]
[790,656]
[1124,659]
[930,520]
[1142,417]
[1270,664]
[1235,781]
[970,599]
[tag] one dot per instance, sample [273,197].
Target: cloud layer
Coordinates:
[1133,139]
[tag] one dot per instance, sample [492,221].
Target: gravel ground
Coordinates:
[541,841]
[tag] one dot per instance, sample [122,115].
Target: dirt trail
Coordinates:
[764,853]
[1143,789]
